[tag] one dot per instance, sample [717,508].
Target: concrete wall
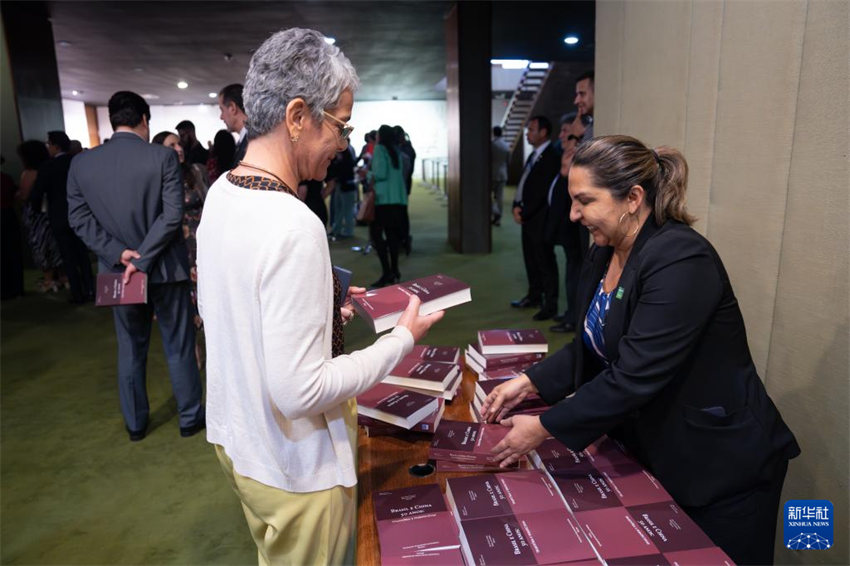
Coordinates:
[755,93]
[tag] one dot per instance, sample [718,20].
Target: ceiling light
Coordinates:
[182,84]
[212,95]
[75,92]
[538,66]
[330,40]
[150,96]
[571,40]
[510,63]
[138,69]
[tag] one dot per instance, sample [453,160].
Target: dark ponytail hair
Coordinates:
[386,137]
[618,163]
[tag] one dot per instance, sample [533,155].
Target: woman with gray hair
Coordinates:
[280,392]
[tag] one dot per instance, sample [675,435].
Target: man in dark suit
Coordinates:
[192,148]
[126,202]
[233,116]
[529,210]
[51,181]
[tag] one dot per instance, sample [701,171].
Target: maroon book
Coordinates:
[379,428]
[448,466]
[447,394]
[395,405]
[111,290]
[699,557]
[467,443]
[586,492]
[669,528]
[497,361]
[491,495]
[423,374]
[553,457]
[383,307]
[647,560]
[415,526]
[508,341]
[614,533]
[446,354]
[542,537]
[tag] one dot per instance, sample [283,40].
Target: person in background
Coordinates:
[313,193]
[390,204]
[221,155]
[662,361]
[409,161]
[341,176]
[75,147]
[584,101]
[52,182]
[194,192]
[43,246]
[11,248]
[125,201]
[193,151]
[281,408]
[233,115]
[499,154]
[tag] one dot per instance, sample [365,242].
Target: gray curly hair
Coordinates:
[294,63]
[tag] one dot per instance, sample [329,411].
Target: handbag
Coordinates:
[366,212]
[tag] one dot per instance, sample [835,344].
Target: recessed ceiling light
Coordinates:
[150,96]
[571,40]
[330,40]
[76,92]
[182,84]
[212,95]
[510,63]
[538,66]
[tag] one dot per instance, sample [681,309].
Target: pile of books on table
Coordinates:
[412,397]
[531,405]
[499,351]
[467,447]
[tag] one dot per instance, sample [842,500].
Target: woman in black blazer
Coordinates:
[661,359]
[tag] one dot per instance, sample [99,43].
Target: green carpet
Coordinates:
[74,490]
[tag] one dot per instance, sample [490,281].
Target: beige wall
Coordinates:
[755,93]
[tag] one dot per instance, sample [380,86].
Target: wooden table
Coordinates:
[383,463]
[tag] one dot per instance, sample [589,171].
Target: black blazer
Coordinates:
[681,390]
[52,180]
[560,230]
[535,191]
[129,194]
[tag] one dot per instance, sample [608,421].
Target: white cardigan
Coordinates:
[275,397]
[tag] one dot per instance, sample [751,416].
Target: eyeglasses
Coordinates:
[344,128]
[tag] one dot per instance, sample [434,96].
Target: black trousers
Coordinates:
[75,260]
[573,269]
[541,267]
[387,231]
[744,526]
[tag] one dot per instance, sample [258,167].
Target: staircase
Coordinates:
[522,102]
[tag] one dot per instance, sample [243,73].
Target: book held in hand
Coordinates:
[383,307]
[395,405]
[507,341]
[111,290]
[467,443]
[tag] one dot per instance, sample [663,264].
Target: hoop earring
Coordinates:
[637,224]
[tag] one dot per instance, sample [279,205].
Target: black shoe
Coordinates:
[563,327]
[544,314]
[496,221]
[525,303]
[187,431]
[559,317]
[136,435]
[382,282]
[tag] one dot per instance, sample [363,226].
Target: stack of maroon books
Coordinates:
[415,526]
[626,514]
[432,370]
[394,405]
[531,405]
[485,364]
[467,447]
[516,518]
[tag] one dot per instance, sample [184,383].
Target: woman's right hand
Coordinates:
[418,325]
[505,397]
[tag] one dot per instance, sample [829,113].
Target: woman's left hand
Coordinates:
[347,310]
[526,434]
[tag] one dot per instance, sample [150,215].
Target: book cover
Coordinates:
[646,560]
[449,393]
[448,466]
[383,307]
[614,533]
[553,457]
[111,290]
[633,485]
[699,557]
[669,528]
[414,523]
[496,361]
[491,495]
[586,492]
[543,537]
[446,354]
[422,374]
[499,373]
[395,405]
[469,443]
[510,341]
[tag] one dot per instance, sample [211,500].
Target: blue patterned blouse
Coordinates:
[594,323]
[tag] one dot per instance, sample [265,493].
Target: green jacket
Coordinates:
[389,180]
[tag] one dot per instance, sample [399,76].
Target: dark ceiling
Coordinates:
[397,47]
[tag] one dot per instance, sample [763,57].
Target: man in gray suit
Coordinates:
[499,153]
[125,201]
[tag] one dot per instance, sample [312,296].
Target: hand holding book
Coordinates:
[505,397]
[413,321]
